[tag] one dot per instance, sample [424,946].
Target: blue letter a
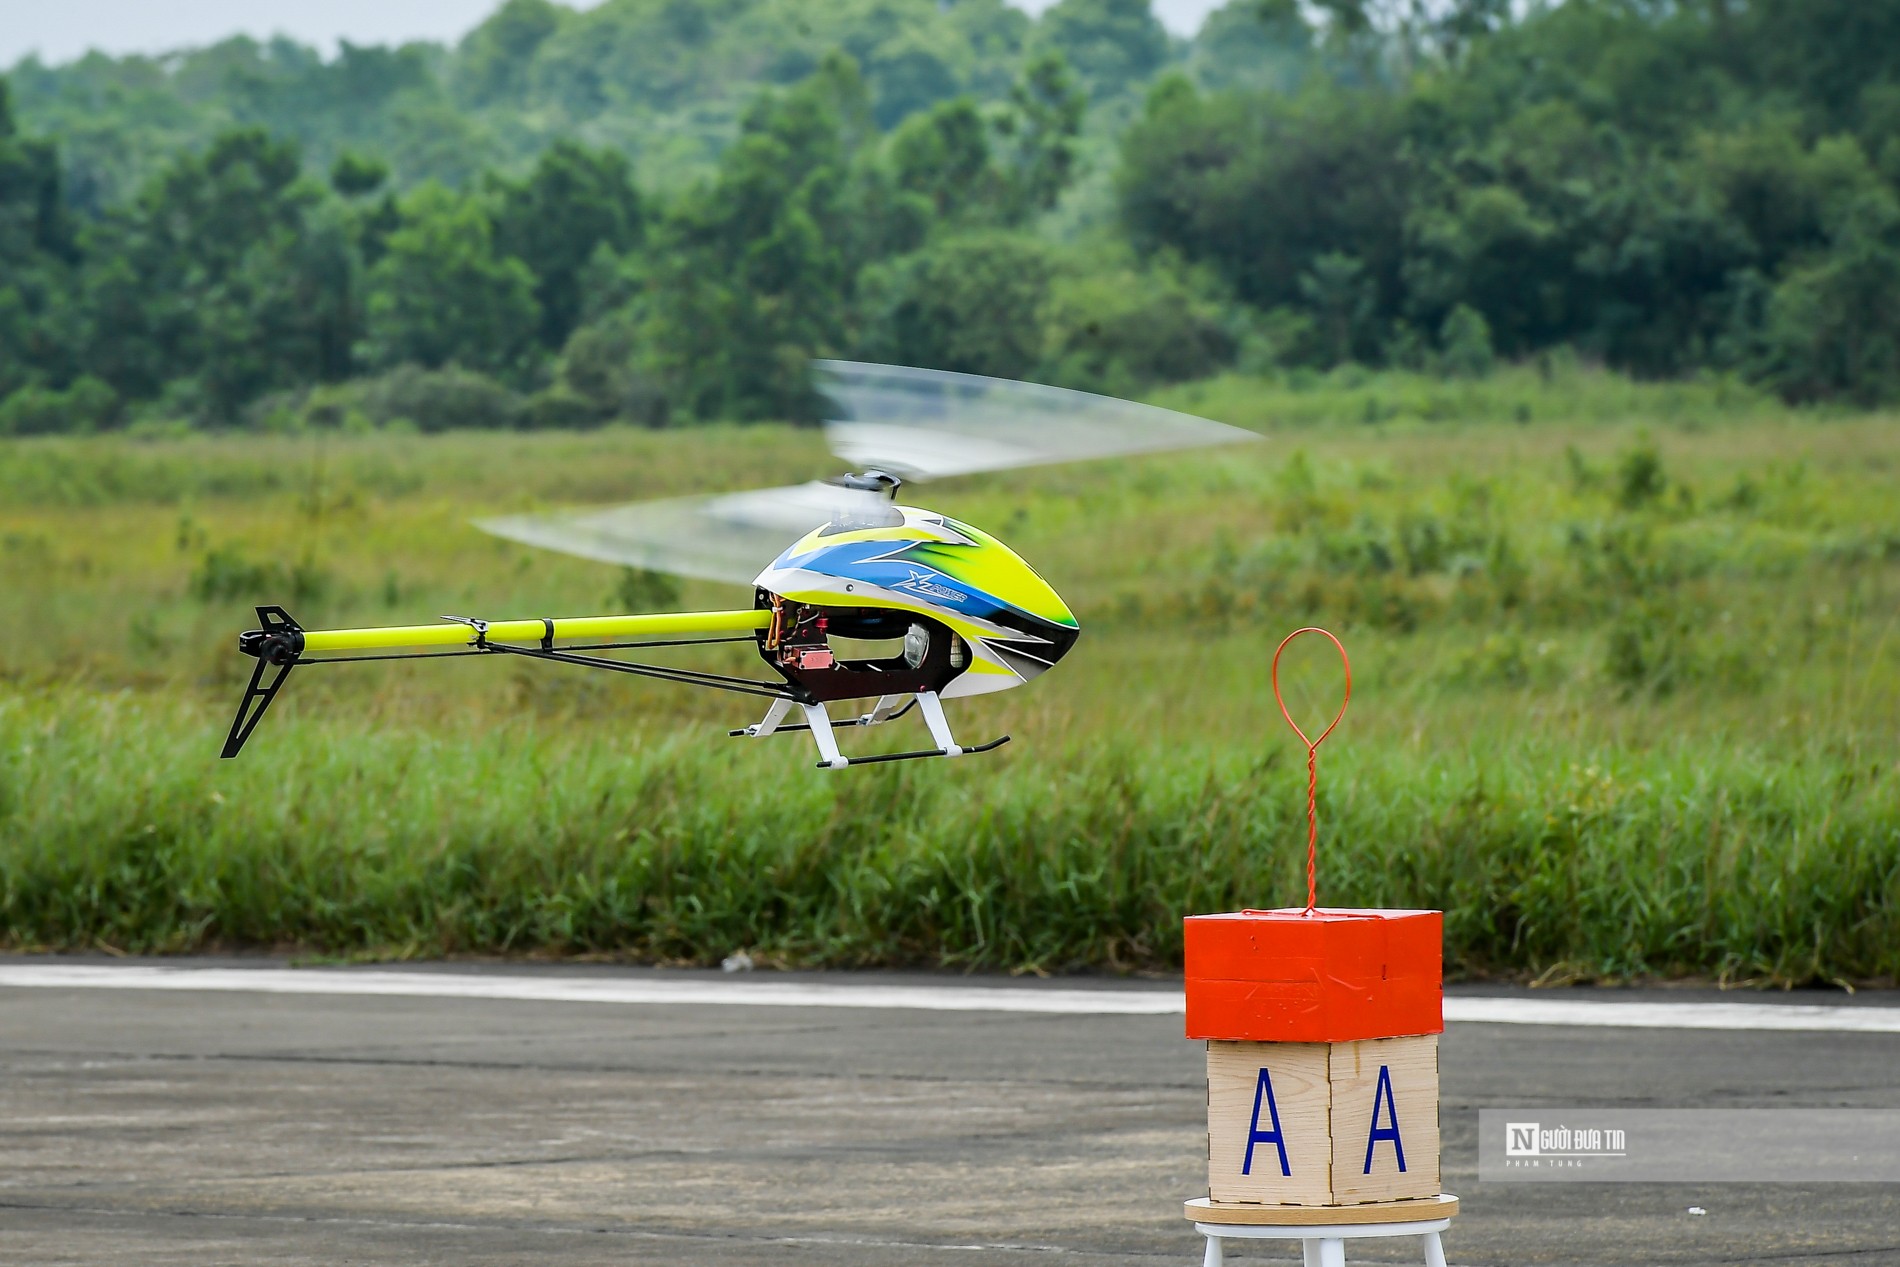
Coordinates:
[1255,1135]
[1384,1092]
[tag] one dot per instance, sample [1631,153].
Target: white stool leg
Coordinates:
[1434,1252]
[1332,1253]
[1214,1257]
[1309,1253]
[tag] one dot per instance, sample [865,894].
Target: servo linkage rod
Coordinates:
[665,673]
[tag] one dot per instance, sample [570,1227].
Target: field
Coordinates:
[1626,677]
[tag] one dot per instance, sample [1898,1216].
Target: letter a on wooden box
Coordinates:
[1322,1123]
[1385,1119]
[1268,1123]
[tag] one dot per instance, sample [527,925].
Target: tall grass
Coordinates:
[1625,688]
[1754,864]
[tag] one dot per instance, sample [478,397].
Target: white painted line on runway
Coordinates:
[1618,1015]
[557,989]
[701,991]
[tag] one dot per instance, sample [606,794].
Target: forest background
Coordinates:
[659,210]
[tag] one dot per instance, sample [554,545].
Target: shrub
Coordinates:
[643,590]
[557,408]
[1121,330]
[437,400]
[1650,648]
[601,376]
[227,573]
[87,405]
[971,303]
[1639,477]
[1464,343]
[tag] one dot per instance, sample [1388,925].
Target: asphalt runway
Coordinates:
[186,1126]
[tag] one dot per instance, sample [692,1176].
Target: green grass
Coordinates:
[1761,865]
[1625,686]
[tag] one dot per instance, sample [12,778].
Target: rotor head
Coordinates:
[870,480]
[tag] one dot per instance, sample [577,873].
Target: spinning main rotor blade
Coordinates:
[917,424]
[719,537]
[931,424]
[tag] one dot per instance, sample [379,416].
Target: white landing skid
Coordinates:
[888,708]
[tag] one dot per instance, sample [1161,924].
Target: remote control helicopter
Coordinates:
[959,611]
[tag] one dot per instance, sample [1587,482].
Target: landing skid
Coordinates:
[991,746]
[818,722]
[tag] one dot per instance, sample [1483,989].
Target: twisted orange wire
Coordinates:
[1312,755]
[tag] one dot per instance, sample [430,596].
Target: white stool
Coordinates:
[1323,1230]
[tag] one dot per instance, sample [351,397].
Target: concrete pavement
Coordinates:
[187,1127]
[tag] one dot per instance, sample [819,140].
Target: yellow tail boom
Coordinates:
[282,644]
[533,632]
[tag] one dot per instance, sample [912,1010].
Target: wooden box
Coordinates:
[1338,1123]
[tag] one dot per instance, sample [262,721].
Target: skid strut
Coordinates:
[820,722]
[888,708]
[938,723]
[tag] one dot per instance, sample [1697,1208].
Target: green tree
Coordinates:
[909,72]
[575,201]
[37,252]
[1111,326]
[1828,52]
[666,81]
[354,175]
[1257,44]
[1457,26]
[441,293]
[494,59]
[1833,323]
[1342,300]
[998,167]
[971,303]
[1039,131]
[1113,44]
[943,157]
[1259,187]
[751,274]
[1464,343]
[226,275]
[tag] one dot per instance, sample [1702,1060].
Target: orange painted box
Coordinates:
[1333,976]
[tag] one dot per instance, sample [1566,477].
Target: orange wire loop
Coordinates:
[1312,754]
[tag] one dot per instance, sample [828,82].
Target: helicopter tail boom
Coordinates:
[544,631]
[281,644]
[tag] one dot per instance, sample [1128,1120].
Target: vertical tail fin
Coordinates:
[276,647]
